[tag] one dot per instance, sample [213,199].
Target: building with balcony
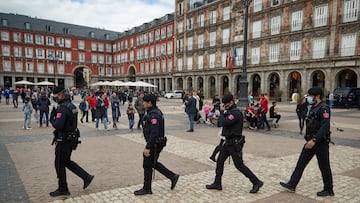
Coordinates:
[292,45]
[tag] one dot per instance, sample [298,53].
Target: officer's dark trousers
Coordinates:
[225,152]
[62,159]
[149,164]
[321,150]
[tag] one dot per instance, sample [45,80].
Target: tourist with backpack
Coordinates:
[84,108]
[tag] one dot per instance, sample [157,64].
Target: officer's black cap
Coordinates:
[227,98]
[58,89]
[149,98]
[315,91]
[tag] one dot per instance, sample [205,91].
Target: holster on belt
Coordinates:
[237,142]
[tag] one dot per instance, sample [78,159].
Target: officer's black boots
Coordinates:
[142,191]
[58,193]
[174,181]
[256,187]
[87,181]
[289,187]
[325,193]
[214,186]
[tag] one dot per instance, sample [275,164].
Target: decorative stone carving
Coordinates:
[238,22]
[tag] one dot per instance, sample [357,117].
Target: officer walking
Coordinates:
[153,129]
[317,138]
[64,120]
[231,119]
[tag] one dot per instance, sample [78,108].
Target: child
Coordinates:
[131,114]
[27,109]
[207,109]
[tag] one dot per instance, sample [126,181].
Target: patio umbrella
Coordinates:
[144,84]
[46,83]
[97,83]
[23,82]
[117,83]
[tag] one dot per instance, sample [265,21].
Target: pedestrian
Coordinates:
[100,110]
[207,110]
[139,106]
[191,110]
[64,119]
[317,139]
[274,113]
[115,109]
[34,99]
[154,134]
[331,99]
[43,105]
[301,111]
[131,115]
[92,102]
[263,110]
[84,107]
[27,109]
[15,96]
[107,105]
[251,117]
[23,95]
[7,96]
[231,120]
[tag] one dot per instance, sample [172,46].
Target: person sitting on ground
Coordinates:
[274,114]
[250,116]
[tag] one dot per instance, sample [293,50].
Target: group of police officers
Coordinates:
[317,136]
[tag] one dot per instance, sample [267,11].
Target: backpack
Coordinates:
[82,106]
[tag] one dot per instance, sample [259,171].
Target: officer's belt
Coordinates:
[231,141]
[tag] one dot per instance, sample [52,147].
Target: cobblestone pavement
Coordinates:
[114,157]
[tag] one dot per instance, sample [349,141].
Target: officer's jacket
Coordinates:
[232,122]
[318,122]
[64,119]
[153,126]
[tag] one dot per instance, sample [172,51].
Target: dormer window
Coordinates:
[27,26]
[4,22]
[66,30]
[275,2]
[107,36]
[49,28]
[92,34]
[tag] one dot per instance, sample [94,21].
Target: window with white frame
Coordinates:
[82,57]
[200,41]
[50,40]
[131,42]
[146,52]
[108,59]
[151,36]
[295,50]
[179,64]
[255,55]
[275,23]
[212,60]
[274,53]
[60,69]
[101,47]
[201,20]
[163,49]
[147,65]
[142,65]
[40,67]
[108,48]
[17,52]
[68,56]
[50,53]
[348,44]
[319,47]
[256,29]
[180,27]
[152,67]
[163,66]
[40,53]
[189,63]
[6,65]
[257,5]
[101,71]
[239,58]
[19,66]
[158,50]
[60,55]
[93,46]
[169,33]
[109,71]
[180,8]
[189,23]
[60,41]
[296,20]
[28,38]
[226,13]
[5,36]
[93,58]
[131,55]
[28,52]
[212,38]
[5,50]
[189,43]
[200,62]
[170,65]
[224,56]
[152,51]
[213,17]
[169,48]
[157,66]
[350,10]
[68,43]
[29,67]
[50,68]
[179,45]
[39,39]
[157,34]
[163,32]
[321,15]
[17,37]
[226,36]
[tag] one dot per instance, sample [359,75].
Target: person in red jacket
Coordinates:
[92,102]
[264,109]
[107,104]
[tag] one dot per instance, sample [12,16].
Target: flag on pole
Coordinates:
[233,59]
[228,59]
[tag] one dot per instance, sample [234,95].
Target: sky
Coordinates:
[115,15]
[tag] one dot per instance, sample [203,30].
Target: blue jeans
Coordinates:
[131,123]
[27,120]
[263,120]
[191,121]
[104,121]
[46,117]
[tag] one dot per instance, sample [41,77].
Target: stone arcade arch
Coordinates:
[131,73]
[225,85]
[256,85]
[189,84]
[81,77]
[212,88]
[294,80]
[180,84]
[200,84]
[318,79]
[346,78]
[274,85]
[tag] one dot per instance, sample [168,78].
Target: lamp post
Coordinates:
[54,61]
[243,84]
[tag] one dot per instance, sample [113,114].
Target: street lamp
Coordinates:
[243,84]
[54,61]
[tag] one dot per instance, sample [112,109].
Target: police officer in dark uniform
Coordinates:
[154,134]
[231,119]
[64,120]
[317,138]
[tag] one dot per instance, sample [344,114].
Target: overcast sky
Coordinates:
[116,15]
